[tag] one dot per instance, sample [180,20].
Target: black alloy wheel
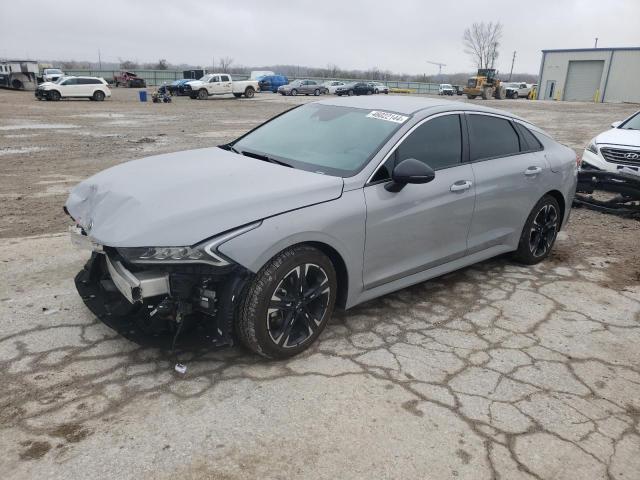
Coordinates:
[288,303]
[543,231]
[540,231]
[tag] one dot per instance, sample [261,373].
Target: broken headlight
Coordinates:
[205,252]
[592,147]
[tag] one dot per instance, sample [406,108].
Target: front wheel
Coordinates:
[316,92]
[202,94]
[539,232]
[294,92]
[54,95]
[288,303]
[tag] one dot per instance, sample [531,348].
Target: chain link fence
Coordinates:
[158,77]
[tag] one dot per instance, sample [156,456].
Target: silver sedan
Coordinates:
[330,204]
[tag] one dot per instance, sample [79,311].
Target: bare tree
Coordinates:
[161,65]
[128,64]
[333,70]
[481,43]
[225,63]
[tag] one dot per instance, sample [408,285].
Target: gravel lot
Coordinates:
[495,371]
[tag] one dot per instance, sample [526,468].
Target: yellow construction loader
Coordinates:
[486,85]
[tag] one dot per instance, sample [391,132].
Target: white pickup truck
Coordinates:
[220,84]
[517,89]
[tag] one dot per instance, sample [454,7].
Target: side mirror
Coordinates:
[616,124]
[407,171]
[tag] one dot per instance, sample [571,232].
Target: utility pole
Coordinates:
[512,62]
[99,61]
[213,64]
[596,45]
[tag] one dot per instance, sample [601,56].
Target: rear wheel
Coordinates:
[539,232]
[249,92]
[98,96]
[316,92]
[202,94]
[288,303]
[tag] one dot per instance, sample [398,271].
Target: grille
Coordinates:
[618,155]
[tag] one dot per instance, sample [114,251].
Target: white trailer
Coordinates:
[19,74]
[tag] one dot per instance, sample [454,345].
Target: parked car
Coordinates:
[332,85]
[258,74]
[445,89]
[93,88]
[271,83]
[379,87]
[264,236]
[616,150]
[303,87]
[517,89]
[128,79]
[458,89]
[51,74]
[355,88]
[177,87]
[220,84]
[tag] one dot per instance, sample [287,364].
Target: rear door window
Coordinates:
[491,137]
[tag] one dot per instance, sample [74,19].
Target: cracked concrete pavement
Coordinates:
[495,371]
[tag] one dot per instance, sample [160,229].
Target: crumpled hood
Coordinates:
[620,136]
[183,198]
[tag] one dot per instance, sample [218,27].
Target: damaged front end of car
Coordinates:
[159,292]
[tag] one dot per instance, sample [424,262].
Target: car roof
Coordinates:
[410,105]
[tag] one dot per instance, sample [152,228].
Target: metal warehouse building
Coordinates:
[590,75]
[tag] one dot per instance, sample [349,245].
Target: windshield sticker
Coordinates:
[389,117]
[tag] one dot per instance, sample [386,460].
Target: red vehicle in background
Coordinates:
[128,79]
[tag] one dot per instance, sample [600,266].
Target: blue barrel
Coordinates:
[143,95]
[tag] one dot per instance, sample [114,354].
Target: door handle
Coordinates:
[461,185]
[533,171]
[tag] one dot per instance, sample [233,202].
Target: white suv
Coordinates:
[51,74]
[93,88]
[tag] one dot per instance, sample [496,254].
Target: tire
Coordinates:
[500,93]
[98,96]
[316,92]
[350,93]
[294,92]
[266,328]
[471,97]
[487,93]
[376,91]
[249,92]
[202,94]
[539,232]
[54,95]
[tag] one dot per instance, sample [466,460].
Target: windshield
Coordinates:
[322,138]
[61,79]
[512,85]
[206,78]
[52,70]
[632,124]
[446,85]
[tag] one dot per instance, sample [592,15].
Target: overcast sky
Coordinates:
[396,35]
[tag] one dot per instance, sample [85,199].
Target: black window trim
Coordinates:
[512,122]
[465,144]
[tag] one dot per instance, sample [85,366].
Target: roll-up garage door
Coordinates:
[583,80]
